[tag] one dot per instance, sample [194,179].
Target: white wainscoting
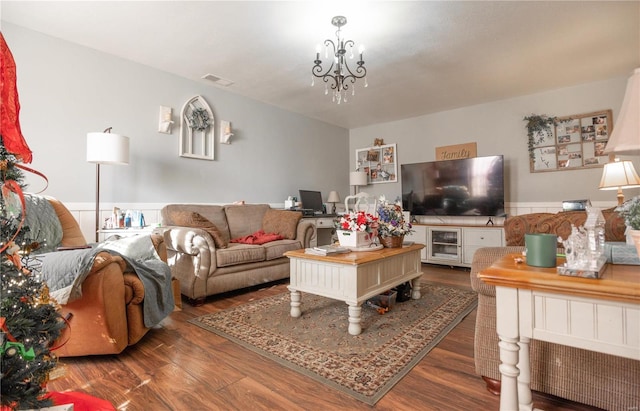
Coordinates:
[84,213]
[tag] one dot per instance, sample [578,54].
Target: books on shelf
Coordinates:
[327,250]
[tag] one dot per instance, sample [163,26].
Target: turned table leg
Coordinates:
[354,319]
[515,393]
[296,298]
[415,289]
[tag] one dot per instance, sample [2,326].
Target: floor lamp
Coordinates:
[356,179]
[105,148]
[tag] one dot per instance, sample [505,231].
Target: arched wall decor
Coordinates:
[196,130]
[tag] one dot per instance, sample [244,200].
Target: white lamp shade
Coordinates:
[358,178]
[107,148]
[619,174]
[333,197]
[625,137]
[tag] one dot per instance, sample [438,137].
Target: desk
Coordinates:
[353,277]
[600,315]
[324,229]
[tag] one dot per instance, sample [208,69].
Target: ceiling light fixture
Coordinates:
[339,74]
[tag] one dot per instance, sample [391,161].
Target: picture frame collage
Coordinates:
[575,142]
[379,162]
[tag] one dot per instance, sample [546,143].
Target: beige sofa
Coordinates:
[599,380]
[202,253]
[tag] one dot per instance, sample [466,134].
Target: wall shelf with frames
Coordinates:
[379,162]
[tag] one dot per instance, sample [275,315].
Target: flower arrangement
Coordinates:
[358,221]
[391,221]
[630,211]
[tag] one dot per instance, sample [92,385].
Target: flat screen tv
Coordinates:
[462,187]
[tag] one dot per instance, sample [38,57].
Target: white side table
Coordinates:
[600,315]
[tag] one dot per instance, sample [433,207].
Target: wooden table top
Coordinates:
[618,282]
[355,257]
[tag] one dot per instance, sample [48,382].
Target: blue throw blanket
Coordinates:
[64,272]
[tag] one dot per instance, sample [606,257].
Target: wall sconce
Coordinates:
[225,132]
[165,122]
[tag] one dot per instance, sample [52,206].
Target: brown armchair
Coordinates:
[109,315]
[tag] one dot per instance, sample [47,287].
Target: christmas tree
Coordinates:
[29,321]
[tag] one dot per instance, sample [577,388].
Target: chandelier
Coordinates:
[338,75]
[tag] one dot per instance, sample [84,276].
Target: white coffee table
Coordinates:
[353,277]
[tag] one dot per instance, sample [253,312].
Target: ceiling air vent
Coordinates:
[219,81]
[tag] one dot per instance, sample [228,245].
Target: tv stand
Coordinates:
[490,221]
[454,245]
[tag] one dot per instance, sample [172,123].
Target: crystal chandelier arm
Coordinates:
[359,72]
[319,72]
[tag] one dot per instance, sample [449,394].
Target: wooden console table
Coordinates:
[600,315]
[353,277]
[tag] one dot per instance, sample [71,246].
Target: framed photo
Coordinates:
[373,155]
[574,142]
[379,162]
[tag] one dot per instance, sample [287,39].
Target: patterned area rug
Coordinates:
[318,345]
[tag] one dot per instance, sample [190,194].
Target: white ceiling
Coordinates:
[422,56]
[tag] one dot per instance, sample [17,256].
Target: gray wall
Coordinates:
[68,90]
[498,128]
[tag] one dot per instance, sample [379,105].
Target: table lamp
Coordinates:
[105,148]
[356,179]
[333,199]
[618,175]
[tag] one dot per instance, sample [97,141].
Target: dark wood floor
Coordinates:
[179,366]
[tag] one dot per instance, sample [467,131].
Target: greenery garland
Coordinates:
[199,119]
[539,126]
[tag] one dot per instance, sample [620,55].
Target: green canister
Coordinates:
[541,249]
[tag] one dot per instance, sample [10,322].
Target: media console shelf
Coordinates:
[454,244]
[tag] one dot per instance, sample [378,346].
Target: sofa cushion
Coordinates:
[71,233]
[276,249]
[213,213]
[281,222]
[244,219]
[614,226]
[193,219]
[559,224]
[201,222]
[240,254]
[517,226]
